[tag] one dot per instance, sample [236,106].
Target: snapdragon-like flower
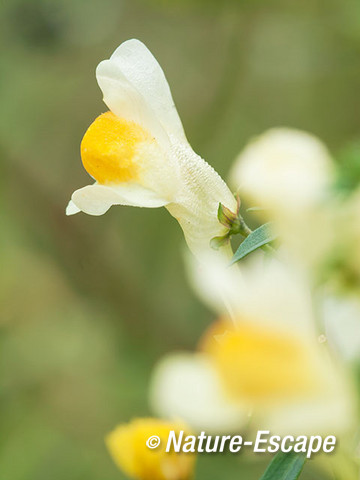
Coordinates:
[283,170]
[288,174]
[128,447]
[138,153]
[262,357]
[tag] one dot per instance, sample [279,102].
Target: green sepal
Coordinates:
[217,242]
[227,218]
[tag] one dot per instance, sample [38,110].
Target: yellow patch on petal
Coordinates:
[127,445]
[109,149]
[259,364]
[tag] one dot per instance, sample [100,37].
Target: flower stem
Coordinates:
[244,229]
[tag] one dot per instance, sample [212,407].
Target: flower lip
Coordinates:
[109,147]
[257,363]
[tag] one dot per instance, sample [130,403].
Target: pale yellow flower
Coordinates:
[138,153]
[283,170]
[263,357]
[128,448]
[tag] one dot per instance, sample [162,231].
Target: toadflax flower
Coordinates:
[287,174]
[262,358]
[138,154]
[129,447]
[283,170]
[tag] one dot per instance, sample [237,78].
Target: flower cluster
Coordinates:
[285,345]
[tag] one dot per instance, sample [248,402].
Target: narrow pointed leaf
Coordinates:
[257,239]
[285,466]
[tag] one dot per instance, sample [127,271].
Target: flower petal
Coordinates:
[285,303]
[341,316]
[196,203]
[71,209]
[127,445]
[332,412]
[143,72]
[186,386]
[125,101]
[97,199]
[283,170]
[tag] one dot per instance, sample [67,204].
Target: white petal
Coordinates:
[71,209]
[283,169]
[186,386]
[125,101]
[196,203]
[331,413]
[97,199]
[217,284]
[285,302]
[342,323]
[144,73]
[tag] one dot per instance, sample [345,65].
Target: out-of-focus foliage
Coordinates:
[349,167]
[88,304]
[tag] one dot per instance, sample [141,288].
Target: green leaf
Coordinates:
[285,466]
[258,238]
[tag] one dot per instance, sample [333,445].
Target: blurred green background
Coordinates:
[88,304]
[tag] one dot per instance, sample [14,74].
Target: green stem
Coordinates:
[243,228]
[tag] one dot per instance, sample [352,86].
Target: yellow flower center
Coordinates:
[127,445]
[109,149]
[260,365]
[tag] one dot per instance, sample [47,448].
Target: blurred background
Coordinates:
[88,304]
